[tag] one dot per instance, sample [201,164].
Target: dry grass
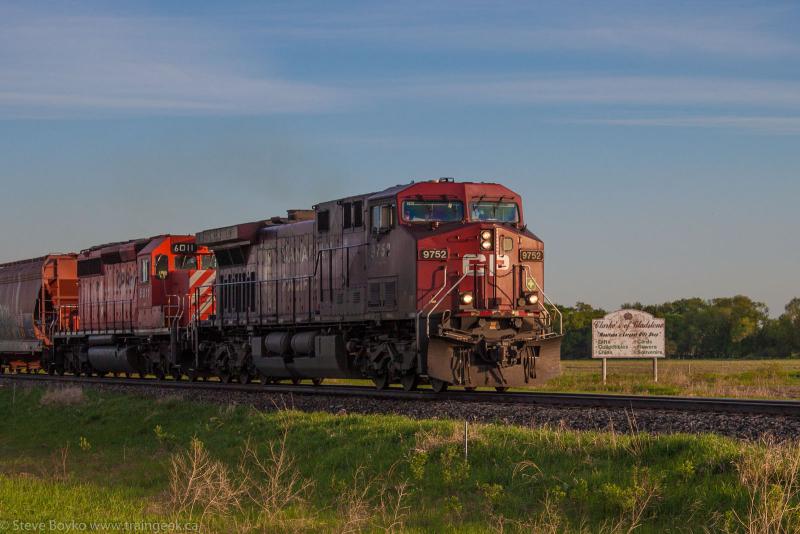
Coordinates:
[702,378]
[771,476]
[259,490]
[428,440]
[65,396]
[273,483]
[370,504]
[201,486]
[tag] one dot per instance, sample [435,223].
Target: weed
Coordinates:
[769,474]
[65,396]
[201,486]
[370,503]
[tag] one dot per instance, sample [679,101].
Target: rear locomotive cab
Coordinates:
[482,313]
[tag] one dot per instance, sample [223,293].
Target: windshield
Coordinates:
[433,210]
[185,263]
[495,211]
[208,261]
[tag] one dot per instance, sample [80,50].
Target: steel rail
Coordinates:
[535,398]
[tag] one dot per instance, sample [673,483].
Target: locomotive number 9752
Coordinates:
[433,254]
[531,255]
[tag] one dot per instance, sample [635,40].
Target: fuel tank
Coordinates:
[302,355]
[108,358]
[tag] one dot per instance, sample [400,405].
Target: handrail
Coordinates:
[526,269]
[172,320]
[422,309]
[428,317]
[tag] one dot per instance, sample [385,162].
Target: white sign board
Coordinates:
[628,334]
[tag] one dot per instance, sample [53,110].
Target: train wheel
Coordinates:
[245,378]
[193,375]
[317,381]
[381,381]
[296,381]
[159,372]
[469,388]
[409,381]
[437,385]
[60,370]
[225,378]
[501,389]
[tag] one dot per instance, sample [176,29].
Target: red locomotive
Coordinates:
[135,304]
[436,281]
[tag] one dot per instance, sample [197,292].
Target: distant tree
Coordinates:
[696,328]
[578,329]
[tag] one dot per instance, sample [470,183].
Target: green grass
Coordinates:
[108,458]
[700,378]
[712,378]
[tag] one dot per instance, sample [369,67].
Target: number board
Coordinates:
[184,249]
[531,255]
[433,254]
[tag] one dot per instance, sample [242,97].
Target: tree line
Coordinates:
[731,327]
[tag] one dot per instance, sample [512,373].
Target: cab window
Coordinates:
[208,261]
[433,210]
[145,270]
[382,217]
[186,263]
[495,211]
[162,266]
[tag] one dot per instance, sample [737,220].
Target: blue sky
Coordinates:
[657,144]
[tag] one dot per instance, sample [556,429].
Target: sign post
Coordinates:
[628,334]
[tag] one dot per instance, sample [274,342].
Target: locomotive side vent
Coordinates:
[390,294]
[374,295]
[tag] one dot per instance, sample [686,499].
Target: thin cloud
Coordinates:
[617,90]
[777,125]
[54,66]
[735,32]
[641,39]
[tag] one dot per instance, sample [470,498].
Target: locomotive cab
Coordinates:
[482,311]
[174,286]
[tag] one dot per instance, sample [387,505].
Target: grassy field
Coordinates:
[716,378]
[89,458]
[700,378]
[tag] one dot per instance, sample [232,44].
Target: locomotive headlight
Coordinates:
[487,240]
[467,298]
[533,298]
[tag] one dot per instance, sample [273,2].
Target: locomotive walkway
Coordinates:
[588,400]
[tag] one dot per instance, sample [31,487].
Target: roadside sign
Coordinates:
[628,334]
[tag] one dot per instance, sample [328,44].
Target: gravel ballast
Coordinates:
[741,426]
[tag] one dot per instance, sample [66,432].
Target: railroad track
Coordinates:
[588,400]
